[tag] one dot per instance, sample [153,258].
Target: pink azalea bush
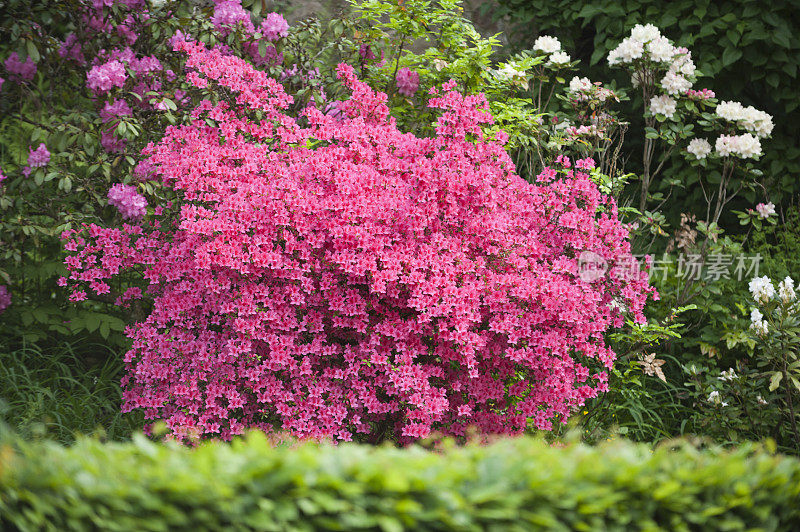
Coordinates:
[345,278]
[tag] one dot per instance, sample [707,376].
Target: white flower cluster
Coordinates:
[757,323]
[628,50]
[675,83]
[661,50]
[762,289]
[700,148]
[559,58]
[547,44]
[511,72]
[577,84]
[749,118]
[743,146]
[786,290]
[647,42]
[714,398]
[765,210]
[663,105]
[728,376]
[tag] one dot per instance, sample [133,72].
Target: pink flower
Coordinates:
[765,210]
[38,157]
[71,49]
[20,71]
[228,14]
[377,279]
[407,82]
[111,142]
[5,298]
[274,26]
[130,203]
[114,109]
[102,78]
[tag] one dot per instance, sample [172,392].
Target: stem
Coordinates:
[789,399]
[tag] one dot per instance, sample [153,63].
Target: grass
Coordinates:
[63,390]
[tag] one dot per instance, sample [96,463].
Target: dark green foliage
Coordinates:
[514,484]
[748,49]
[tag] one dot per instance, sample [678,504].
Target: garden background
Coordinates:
[413,223]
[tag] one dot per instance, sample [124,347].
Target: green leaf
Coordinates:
[33,52]
[775,381]
[730,56]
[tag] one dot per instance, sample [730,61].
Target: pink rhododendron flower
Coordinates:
[274,26]
[765,210]
[5,298]
[114,109]
[38,157]
[365,51]
[407,81]
[379,283]
[102,78]
[111,142]
[130,203]
[271,55]
[19,70]
[228,14]
[71,49]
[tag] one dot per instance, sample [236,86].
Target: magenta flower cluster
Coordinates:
[274,26]
[104,77]
[229,13]
[407,81]
[5,298]
[378,284]
[128,201]
[20,70]
[39,157]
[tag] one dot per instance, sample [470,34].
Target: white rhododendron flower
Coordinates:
[661,50]
[511,72]
[663,105]
[786,290]
[765,210]
[547,44]
[682,62]
[744,146]
[559,58]
[749,118]
[762,290]
[675,83]
[628,50]
[645,33]
[728,376]
[714,398]
[700,148]
[577,84]
[730,111]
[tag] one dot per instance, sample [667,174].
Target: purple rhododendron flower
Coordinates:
[274,27]
[102,78]
[38,157]
[19,70]
[407,81]
[130,203]
[229,13]
[5,298]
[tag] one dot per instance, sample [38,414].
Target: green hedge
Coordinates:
[514,484]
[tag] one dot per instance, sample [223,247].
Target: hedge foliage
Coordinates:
[513,484]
